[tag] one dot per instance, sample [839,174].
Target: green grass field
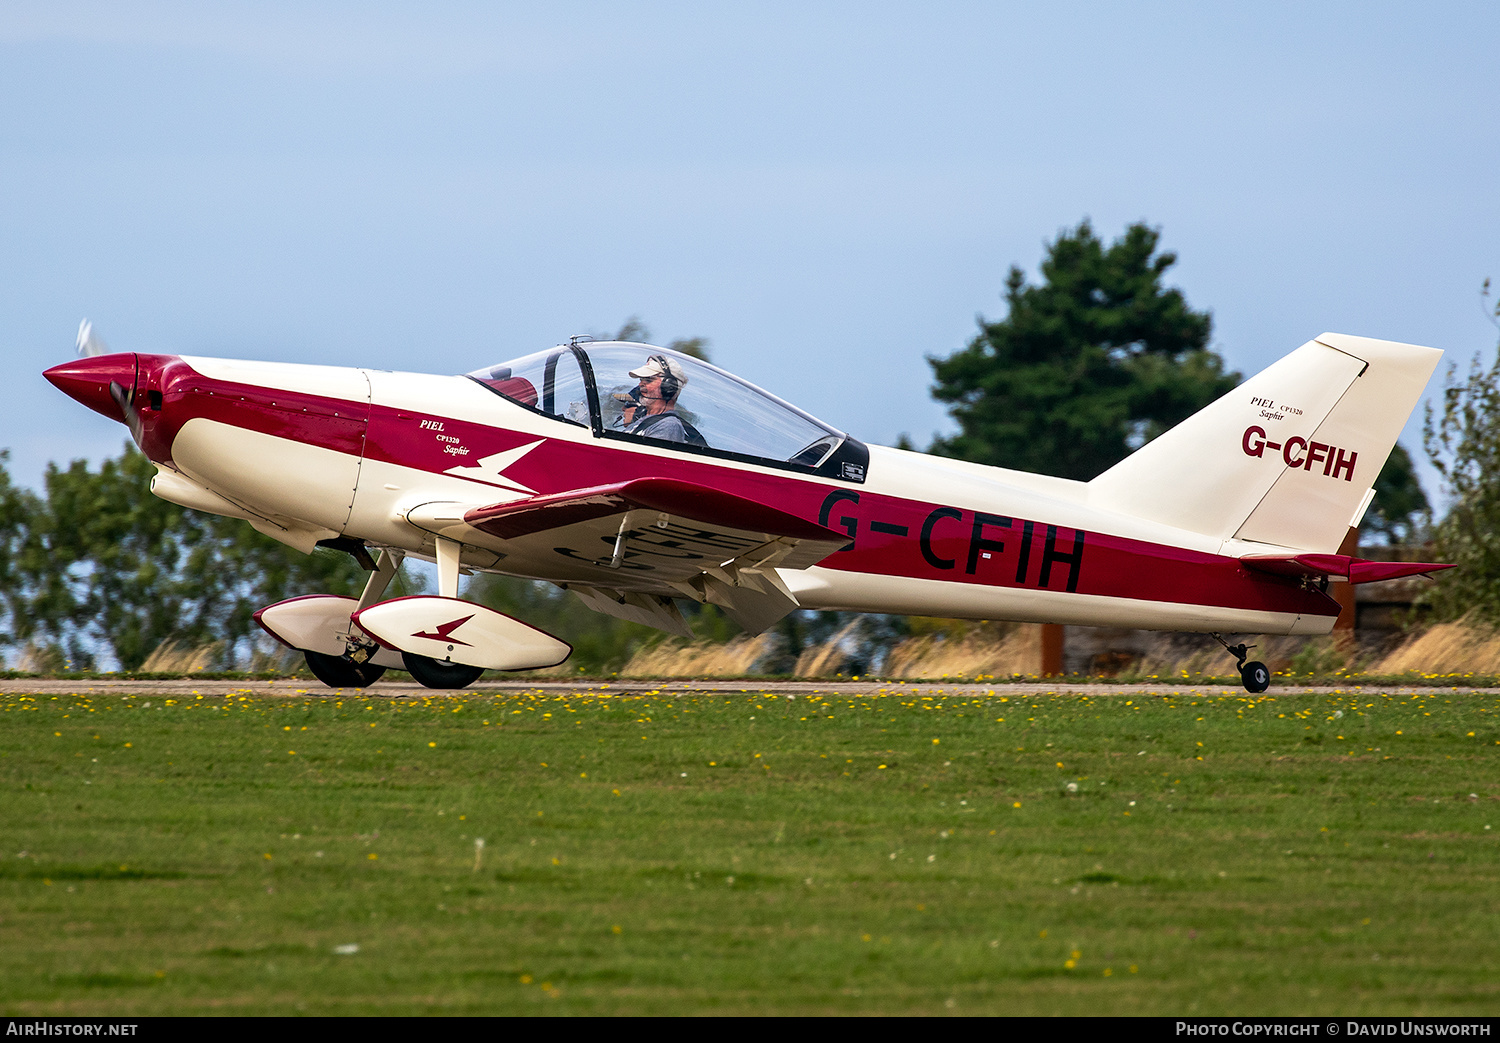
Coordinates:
[1292,853]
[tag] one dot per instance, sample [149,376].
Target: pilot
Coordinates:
[653,409]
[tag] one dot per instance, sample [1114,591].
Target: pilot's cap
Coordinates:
[661,366]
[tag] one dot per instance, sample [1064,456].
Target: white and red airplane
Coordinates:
[635,476]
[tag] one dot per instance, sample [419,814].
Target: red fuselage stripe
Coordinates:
[889,535]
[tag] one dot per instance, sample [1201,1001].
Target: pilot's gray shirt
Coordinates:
[666,426]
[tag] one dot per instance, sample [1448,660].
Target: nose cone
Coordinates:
[88,381]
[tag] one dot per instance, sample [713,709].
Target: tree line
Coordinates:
[1462,437]
[92,562]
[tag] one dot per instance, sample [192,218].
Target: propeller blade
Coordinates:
[89,342]
[123,399]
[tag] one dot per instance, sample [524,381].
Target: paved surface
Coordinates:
[407,690]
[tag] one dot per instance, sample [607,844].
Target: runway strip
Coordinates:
[292,688]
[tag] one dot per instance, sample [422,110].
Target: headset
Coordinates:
[669,385]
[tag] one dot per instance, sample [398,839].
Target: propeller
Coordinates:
[125,400]
[89,342]
[101,379]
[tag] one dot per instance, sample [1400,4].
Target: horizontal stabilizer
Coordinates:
[1361,571]
[1355,570]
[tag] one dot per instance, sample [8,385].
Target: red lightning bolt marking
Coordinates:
[445,631]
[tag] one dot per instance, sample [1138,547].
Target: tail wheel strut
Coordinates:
[1255,676]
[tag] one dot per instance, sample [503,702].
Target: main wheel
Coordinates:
[338,672]
[1255,677]
[436,674]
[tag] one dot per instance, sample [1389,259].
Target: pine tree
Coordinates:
[1096,361]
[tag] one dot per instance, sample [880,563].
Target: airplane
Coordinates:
[637,477]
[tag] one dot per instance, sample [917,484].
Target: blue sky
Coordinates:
[829,192]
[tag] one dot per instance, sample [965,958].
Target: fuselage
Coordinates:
[307,453]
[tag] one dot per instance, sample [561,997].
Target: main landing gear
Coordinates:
[356,668]
[1254,676]
[442,641]
[344,672]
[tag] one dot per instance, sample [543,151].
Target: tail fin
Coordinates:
[1286,458]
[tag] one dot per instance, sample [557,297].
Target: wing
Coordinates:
[629,548]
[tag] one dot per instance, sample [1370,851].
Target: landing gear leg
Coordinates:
[380,579]
[436,673]
[447,554]
[1254,676]
[353,669]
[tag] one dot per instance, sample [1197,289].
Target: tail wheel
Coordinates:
[1255,677]
[434,673]
[338,672]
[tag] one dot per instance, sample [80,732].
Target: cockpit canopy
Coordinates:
[590,384]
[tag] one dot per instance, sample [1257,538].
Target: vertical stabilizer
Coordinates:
[1286,458]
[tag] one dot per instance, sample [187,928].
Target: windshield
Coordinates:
[666,396]
[550,382]
[662,396]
